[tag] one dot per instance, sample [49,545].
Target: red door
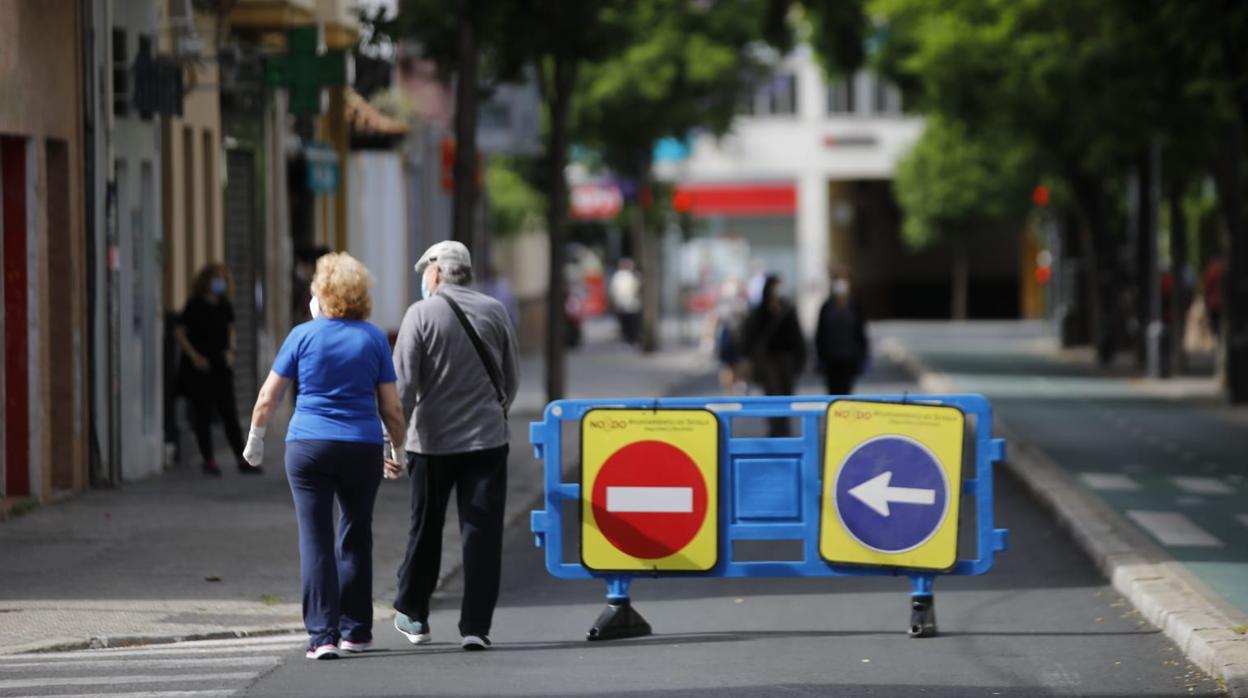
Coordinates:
[16,365]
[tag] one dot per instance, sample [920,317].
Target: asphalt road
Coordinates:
[1041,623]
[1174,467]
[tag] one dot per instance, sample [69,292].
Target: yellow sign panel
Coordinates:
[892,476]
[649,490]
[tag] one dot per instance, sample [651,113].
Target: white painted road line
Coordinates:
[130,663]
[242,646]
[152,651]
[1109,482]
[1242,518]
[650,500]
[55,681]
[147,694]
[1201,485]
[1174,529]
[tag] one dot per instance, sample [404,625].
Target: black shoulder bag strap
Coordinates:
[496,376]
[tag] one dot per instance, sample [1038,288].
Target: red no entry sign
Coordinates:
[649,489]
[649,499]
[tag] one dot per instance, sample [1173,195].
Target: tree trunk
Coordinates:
[1098,248]
[1233,344]
[1179,298]
[465,170]
[961,277]
[558,100]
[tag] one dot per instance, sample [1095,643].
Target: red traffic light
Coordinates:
[1040,195]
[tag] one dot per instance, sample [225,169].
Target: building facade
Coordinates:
[43,253]
[804,180]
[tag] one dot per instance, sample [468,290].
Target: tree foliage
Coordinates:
[958,183]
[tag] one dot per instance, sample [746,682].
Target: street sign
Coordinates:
[304,70]
[649,480]
[668,488]
[891,484]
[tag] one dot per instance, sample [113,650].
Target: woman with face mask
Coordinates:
[205,333]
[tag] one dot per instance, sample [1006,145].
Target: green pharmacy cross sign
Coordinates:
[304,71]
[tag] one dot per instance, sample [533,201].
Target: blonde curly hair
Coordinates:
[341,285]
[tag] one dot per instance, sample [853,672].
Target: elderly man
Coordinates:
[456,363]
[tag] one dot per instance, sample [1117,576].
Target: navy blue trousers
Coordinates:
[337,579]
[479,479]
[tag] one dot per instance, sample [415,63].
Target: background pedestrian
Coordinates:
[841,344]
[205,333]
[777,349]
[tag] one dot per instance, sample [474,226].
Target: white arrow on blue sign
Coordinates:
[891,494]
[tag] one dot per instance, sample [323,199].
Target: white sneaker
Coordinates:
[349,646]
[323,652]
[475,643]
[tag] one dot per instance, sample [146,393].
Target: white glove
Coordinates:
[253,452]
[396,455]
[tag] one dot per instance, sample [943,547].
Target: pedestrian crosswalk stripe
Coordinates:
[130,663]
[50,681]
[1242,518]
[1201,485]
[180,649]
[1109,482]
[1174,529]
[148,694]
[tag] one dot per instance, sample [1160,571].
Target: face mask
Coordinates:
[840,287]
[314,306]
[217,286]
[424,287]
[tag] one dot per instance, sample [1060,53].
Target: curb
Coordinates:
[1165,593]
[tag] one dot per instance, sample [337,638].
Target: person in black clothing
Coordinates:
[205,333]
[776,347]
[841,345]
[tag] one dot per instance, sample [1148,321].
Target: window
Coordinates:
[841,96]
[782,95]
[121,74]
[775,96]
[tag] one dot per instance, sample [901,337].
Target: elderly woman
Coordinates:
[334,449]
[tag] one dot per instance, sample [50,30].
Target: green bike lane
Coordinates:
[1177,468]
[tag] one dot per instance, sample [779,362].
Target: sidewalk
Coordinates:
[181,556]
[1149,475]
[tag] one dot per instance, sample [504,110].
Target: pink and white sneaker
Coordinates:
[349,646]
[326,651]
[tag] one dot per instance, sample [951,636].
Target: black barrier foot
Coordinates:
[922,616]
[618,621]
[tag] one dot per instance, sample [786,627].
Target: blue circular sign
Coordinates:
[891,494]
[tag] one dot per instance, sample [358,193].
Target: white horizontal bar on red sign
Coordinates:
[650,500]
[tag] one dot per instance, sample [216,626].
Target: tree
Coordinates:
[682,69]
[957,185]
[459,36]
[1074,80]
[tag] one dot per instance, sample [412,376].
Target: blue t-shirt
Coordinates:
[339,364]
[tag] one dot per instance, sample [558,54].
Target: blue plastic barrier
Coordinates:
[621,620]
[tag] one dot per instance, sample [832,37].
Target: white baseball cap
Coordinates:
[448,251]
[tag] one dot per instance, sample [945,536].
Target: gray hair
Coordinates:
[457,274]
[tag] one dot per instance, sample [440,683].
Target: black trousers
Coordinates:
[839,376]
[215,393]
[479,479]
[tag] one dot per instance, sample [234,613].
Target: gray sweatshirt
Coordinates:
[446,392]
